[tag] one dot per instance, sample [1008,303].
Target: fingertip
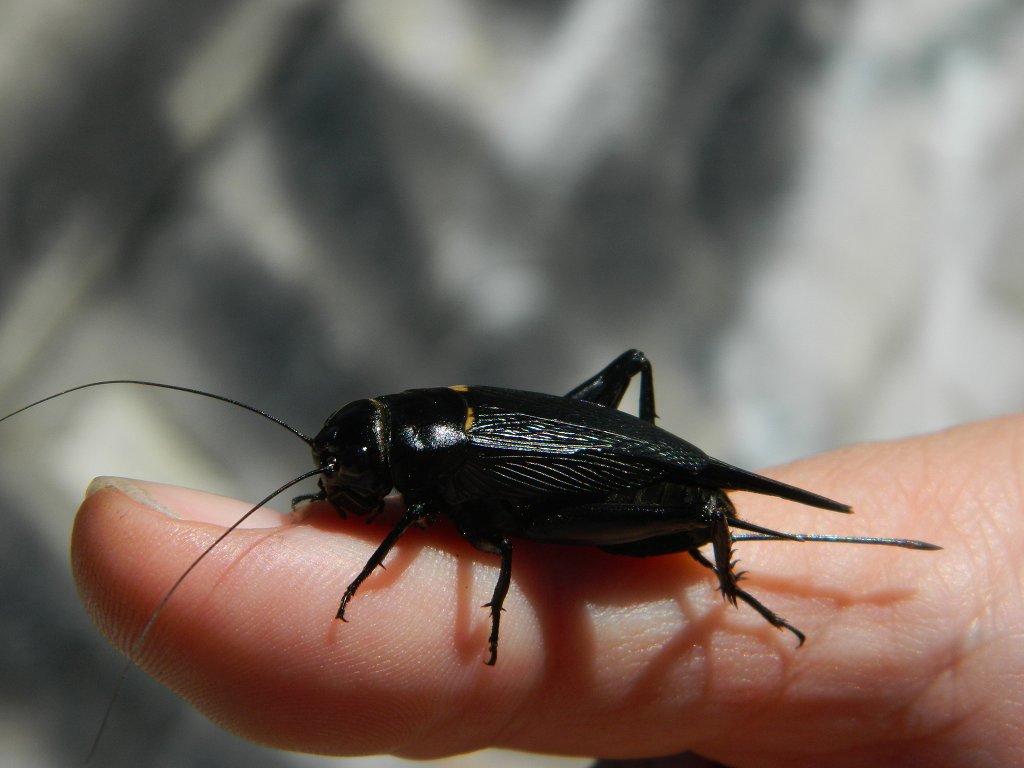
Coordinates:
[248,637]
[126,545]
[181,503]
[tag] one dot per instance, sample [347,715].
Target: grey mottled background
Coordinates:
[808,214]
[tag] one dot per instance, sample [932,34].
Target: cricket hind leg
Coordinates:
[608,385]
[720,511]
[716,532]
[734,592]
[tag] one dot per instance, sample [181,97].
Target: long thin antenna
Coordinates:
[141,639]
[175,387]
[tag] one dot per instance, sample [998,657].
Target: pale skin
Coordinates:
[911,657]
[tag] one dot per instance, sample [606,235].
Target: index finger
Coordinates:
[599,655]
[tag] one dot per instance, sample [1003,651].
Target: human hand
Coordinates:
[911,657]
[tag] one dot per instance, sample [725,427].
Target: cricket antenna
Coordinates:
[159,385]
[136,647]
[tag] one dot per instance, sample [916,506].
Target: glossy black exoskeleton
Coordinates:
[505,464]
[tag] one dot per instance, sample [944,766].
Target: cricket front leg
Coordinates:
[416,513]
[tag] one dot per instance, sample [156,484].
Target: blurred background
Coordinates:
[807,214]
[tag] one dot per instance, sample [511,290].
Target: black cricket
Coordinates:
[506,464]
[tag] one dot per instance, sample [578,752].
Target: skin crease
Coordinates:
[911,657]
